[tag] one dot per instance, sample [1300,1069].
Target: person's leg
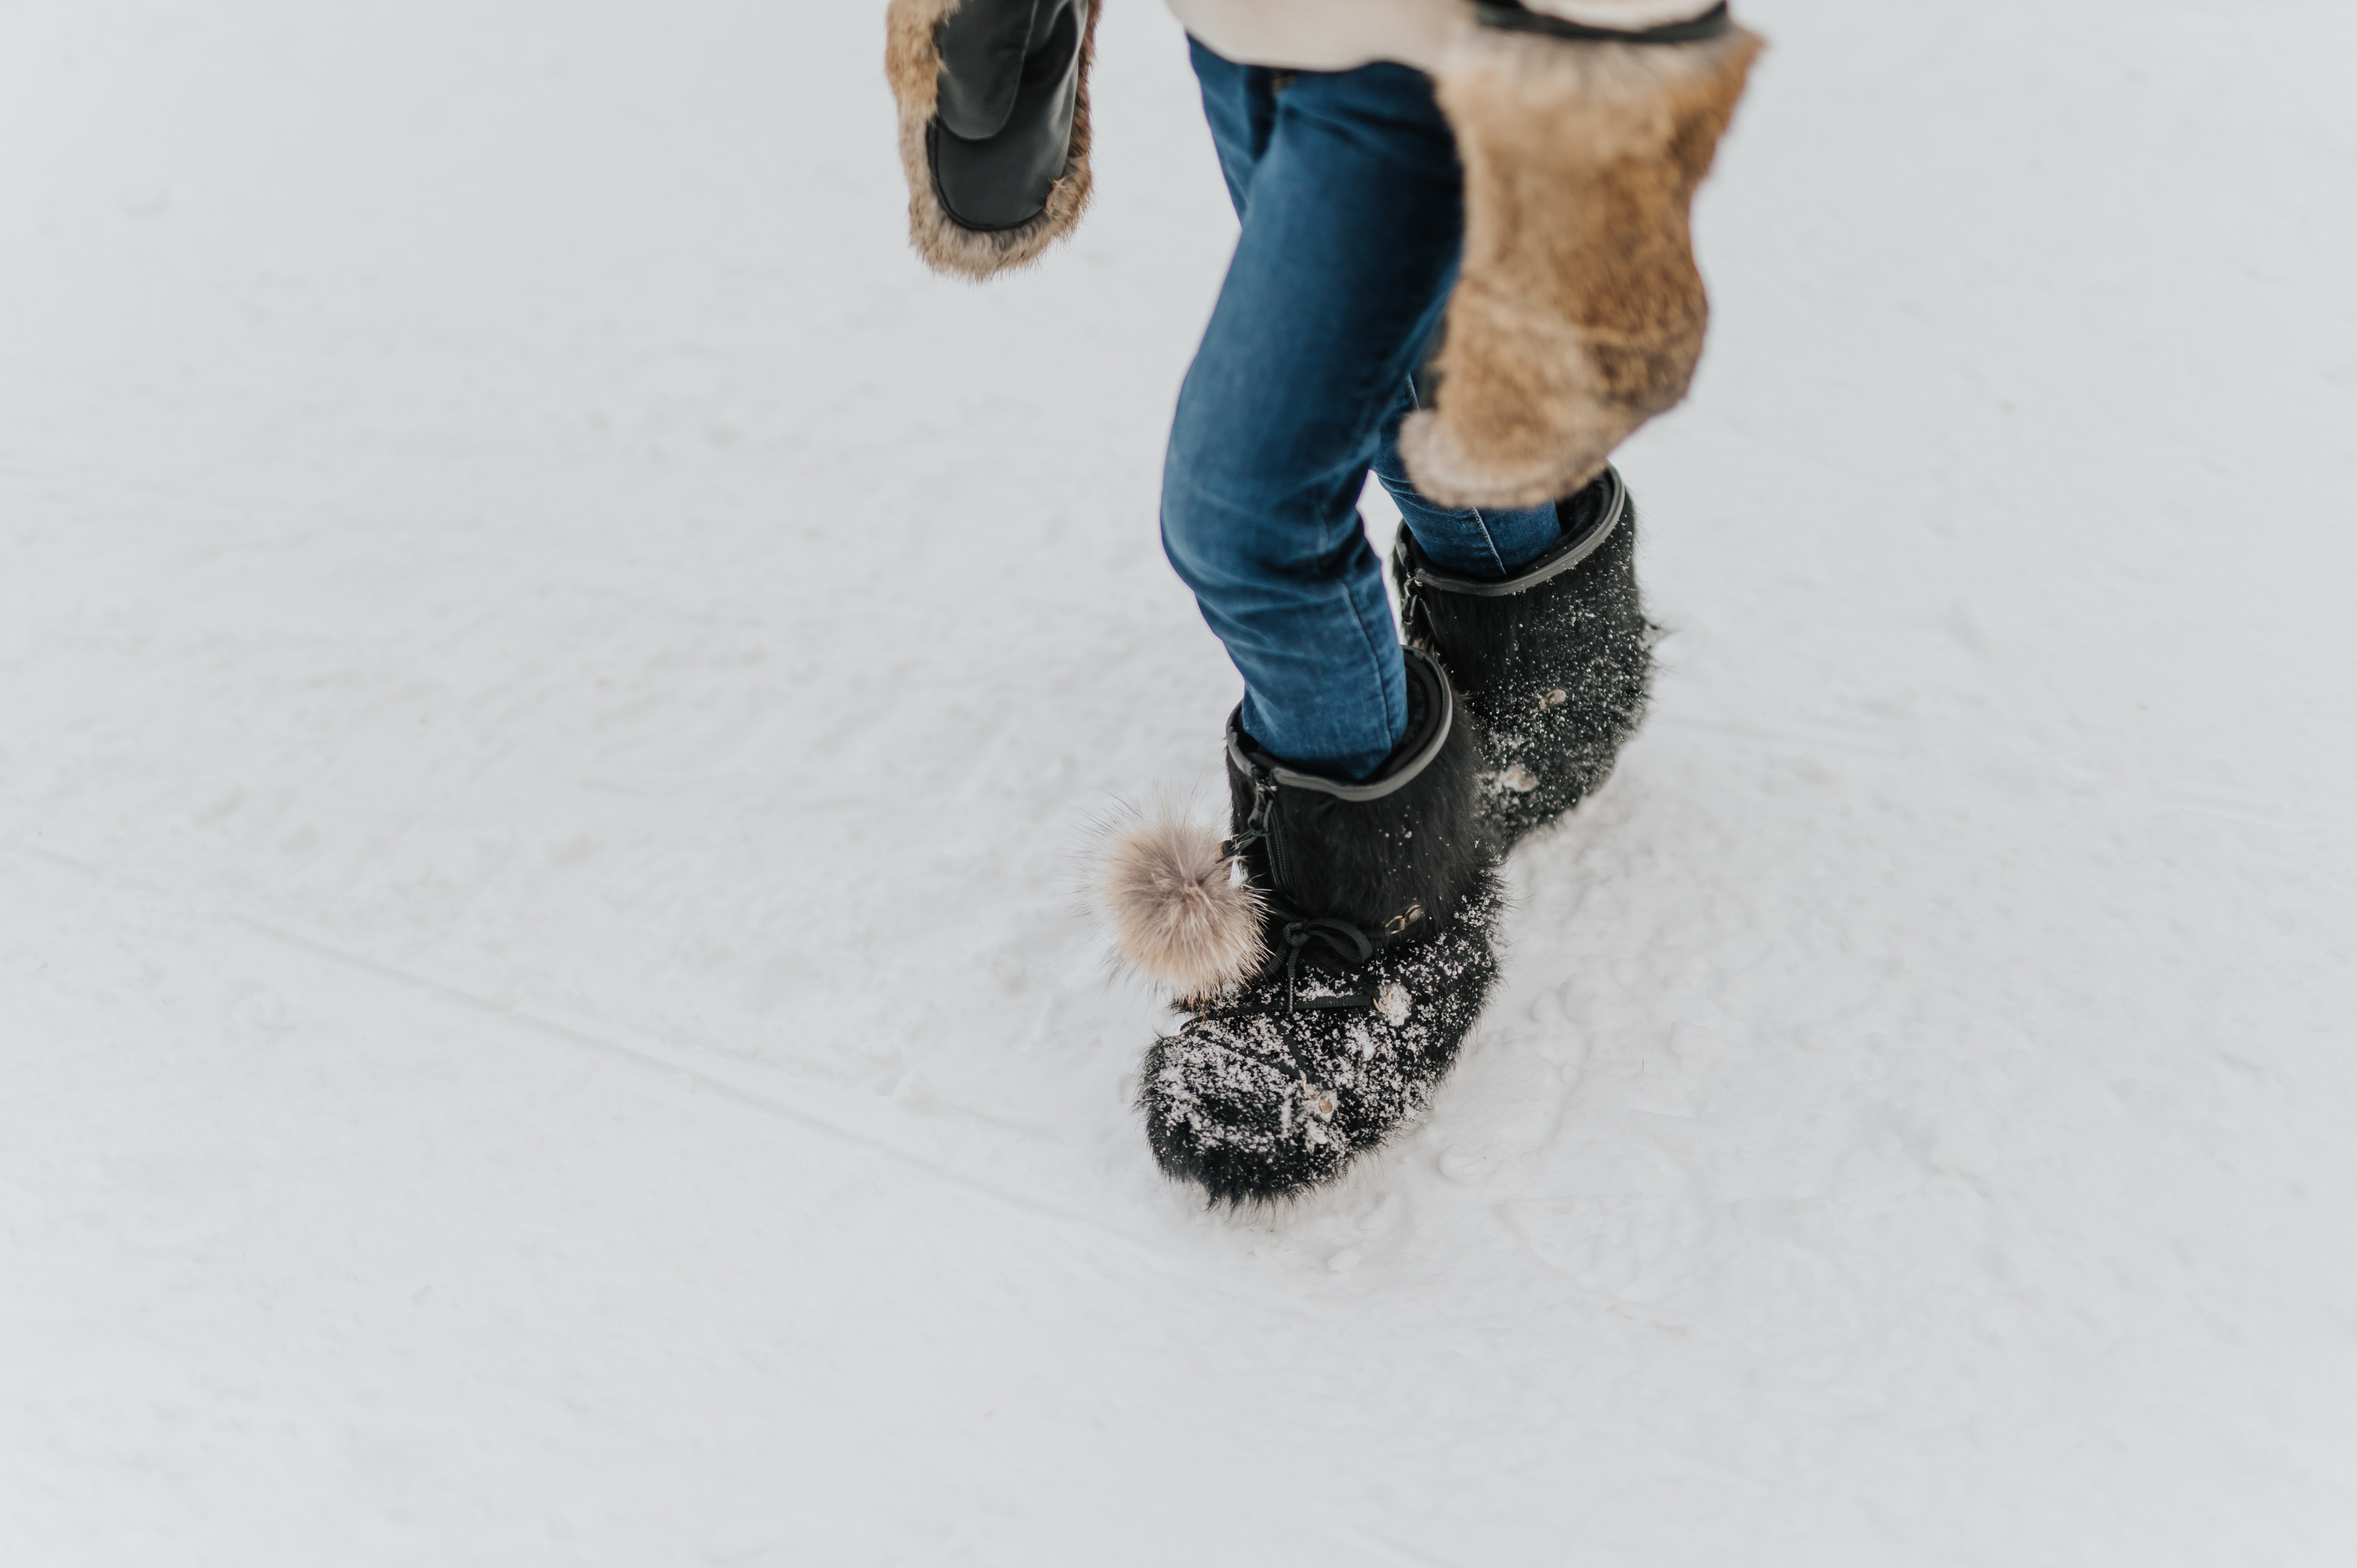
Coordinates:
[1333,949]
[1240,106]
[1350,207]
[1485,544]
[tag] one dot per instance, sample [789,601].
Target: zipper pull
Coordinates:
[1255,820]
[1262,825]
[1412,631]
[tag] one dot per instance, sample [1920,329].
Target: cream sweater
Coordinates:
[1336,35]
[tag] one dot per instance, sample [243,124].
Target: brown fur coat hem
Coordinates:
[1579,313]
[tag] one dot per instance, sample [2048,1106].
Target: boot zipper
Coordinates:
[1262,824]
[1411,585]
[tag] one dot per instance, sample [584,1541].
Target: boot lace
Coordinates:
[1295,933]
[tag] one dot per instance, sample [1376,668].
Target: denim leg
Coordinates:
[1350,206]
[1240,105]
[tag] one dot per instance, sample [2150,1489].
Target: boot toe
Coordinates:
[1222,1112]
[1260,1101]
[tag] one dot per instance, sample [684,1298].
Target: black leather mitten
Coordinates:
[993,125]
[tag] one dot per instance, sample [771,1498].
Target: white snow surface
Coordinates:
[555,689]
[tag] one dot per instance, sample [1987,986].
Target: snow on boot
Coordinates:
[1553,663]
[1355,921]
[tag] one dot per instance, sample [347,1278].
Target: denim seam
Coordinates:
[1395,725]
[1483,524]
[1487,538]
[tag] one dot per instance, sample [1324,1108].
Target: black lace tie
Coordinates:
[1347,942]
[1294,935]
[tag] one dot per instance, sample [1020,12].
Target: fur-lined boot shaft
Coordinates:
[1387,854]
[1188,911]
[1374,906]
[993,100]
[1556,661]
[1579,313]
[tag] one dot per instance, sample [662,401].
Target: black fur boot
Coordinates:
[1355,920]
[1553,663]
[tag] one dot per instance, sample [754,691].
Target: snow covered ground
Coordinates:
[554,688]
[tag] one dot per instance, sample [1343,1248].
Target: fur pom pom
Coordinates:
[1178,915]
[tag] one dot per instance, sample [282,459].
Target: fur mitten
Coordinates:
[994,98]
[1580,312]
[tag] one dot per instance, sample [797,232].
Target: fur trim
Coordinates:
[1579,313]
[1179,916]
[912,64]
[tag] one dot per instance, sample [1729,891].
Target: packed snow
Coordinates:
[555,690]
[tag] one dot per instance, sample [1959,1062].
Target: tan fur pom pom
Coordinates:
[1177,916]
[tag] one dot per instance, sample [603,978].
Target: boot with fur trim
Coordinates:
[1579,313]
[1553,663]
[1331,956]
[994,99]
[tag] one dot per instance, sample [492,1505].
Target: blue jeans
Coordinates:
[1351,195]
